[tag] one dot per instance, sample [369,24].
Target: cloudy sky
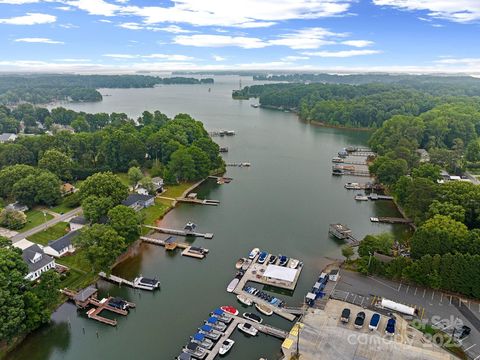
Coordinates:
[131,35]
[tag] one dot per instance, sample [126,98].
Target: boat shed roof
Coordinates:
[84,294]
[280,273]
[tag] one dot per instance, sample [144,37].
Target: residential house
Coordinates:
[16,206]
[139,201]
[67,189]
[5,137]
[37,261]
[158,184]
[141,191]
[77,222]
[61,246]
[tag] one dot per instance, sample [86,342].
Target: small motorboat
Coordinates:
[233,284]
[262,257]
[226,346]
[146,283]
[246,264]
[283,260]
[247,329]
[222,316]
[253,253]
[374,219]
[202,340]
[361,197]
[229,309]
[338,160]
[244,300]
[210,332]
[293,263]
[184,356]
[195,350]
[272,260]
[190,226]
[239,263]
[119,303]
[216,324]
[253,317]
[265,310]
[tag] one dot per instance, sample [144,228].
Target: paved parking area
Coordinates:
[439,309]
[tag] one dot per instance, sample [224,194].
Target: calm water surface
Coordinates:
[282,204]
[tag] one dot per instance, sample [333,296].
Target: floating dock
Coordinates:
[391,220]
[379,197]
[171,244]
[240,164]
[135,284]
[180,232]
[342,232]
[199,201]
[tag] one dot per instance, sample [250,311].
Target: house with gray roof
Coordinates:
[139,201]
[37,261]
[62,246]
[77,222]
[5,137]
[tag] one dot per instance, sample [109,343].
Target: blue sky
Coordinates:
[327,35]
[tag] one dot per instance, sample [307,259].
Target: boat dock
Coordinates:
[366,186]
[374,197]
[199,201]
[266,329]
[362,153]
[239,164]
[391,220]
[135,284]
[342,232]
[180,232]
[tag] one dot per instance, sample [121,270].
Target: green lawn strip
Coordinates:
[175,191]
[35,218]
[61,208]
[124,178]
[80,274]
[52,233]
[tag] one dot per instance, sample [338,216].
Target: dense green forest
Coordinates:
[365,105]
[41,89]
[445,248]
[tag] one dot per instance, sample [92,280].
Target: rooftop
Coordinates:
[35,258]
[63,242]
[78,220]
[134,198]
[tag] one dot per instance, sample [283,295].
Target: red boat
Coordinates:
[230,310]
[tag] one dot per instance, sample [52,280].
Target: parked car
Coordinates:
[359,320]
[345,318]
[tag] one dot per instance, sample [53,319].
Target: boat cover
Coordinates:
[218,312]
[280,273]
[212,320]
[206,328]
[192,346]
[199,337]
[184,356]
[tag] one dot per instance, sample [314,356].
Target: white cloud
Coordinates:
[167,57]
[456,61]
[175,29]
[106,21]
[218,58]
[357,43]
[243,14]
[18,2]
[342,53]
[308,38]
[39,40]
[30,19]
[64,8]
[219,41]
[293,58]
[461,11]
[68,26]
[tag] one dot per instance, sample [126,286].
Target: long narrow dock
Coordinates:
[199,201]
[116,279]
[266,329]
[180,232]
[391,220]
[188,250]
[379,197]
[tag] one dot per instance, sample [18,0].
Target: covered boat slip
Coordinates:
[275,272]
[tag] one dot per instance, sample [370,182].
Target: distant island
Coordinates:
[45,88]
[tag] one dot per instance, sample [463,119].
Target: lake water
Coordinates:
[283,204]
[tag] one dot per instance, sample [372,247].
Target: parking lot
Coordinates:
[439,309]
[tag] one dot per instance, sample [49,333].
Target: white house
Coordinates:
[61,246]
[5,137]
[38,262]
[16,206]
[77,222]
[158,184]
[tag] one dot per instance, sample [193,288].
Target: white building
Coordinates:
[5,137]
[38,262]
[77,222]
[61,246]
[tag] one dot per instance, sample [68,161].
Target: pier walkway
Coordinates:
[391,220]
[116,279]
[180,232]
[188,250]
[199,201]
[342,232]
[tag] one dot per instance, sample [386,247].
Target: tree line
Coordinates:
[45,88]
[365,105]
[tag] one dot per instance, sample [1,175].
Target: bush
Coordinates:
[13,220]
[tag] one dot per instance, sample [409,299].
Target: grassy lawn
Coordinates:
[175,191]
[80,275]
[61,208]
[52,233]
[154,212]
[35,218]
[124,178]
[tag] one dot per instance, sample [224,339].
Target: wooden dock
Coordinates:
[362,153]
[180,232]
[264,328]
[188,250]
[199,201]
[239,164]
[391,220]
[116,279]
[379,197]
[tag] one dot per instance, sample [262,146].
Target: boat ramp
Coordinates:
[180,232]
[342,232]
[170,244]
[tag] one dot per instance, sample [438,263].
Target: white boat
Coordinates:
[361,197]
[226,346]
[293,263]
[233,284]
[202,340]
[239,263]
[146,283]
[374,219]
[245,300]
[352,186]
[253,253]
[265,310]
[247,329]
[253,317]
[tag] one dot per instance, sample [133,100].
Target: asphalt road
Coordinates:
[45,225]
[436,307]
